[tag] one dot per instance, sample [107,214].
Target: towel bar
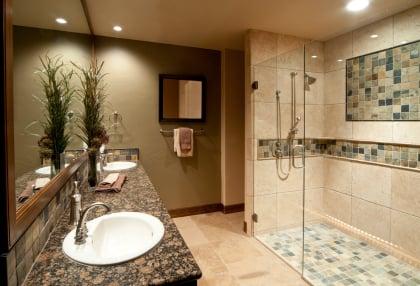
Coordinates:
[170,133]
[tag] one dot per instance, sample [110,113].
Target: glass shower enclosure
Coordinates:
[297,214]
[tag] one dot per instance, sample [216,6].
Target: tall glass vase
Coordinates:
[93,176]
[57,163]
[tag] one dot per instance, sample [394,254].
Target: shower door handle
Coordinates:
[297,147]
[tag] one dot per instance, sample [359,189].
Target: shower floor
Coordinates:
[335,258]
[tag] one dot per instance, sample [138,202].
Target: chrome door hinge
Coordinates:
[254,217]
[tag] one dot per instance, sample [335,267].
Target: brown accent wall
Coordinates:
[133,85]
[233,127]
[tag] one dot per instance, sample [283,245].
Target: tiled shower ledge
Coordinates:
[393,155]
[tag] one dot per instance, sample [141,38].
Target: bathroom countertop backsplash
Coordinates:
[169,262]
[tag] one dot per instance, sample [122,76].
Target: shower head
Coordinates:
[308,81]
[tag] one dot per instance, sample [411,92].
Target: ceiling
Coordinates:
[42,14]
[215,24]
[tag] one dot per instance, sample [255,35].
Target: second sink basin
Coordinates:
[115,238]
[119,166]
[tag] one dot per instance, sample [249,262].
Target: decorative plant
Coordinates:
[92,95]
[55,80]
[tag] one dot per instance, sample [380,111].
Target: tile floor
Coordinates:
[335,258]
[227,257]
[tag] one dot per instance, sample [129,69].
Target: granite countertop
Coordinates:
[21,183]
[169,262]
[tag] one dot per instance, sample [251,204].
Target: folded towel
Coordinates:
[111,178]
[185,138]
[29,191]
[114,187]
[41,182]
[183,142]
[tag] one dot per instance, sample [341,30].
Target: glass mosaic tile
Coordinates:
[384,85]
[384,153]
[334,258]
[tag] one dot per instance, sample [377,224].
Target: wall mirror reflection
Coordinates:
[182,98]
[48,36]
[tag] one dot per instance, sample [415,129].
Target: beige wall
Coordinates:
[233,117]
[133,68]
[28,45]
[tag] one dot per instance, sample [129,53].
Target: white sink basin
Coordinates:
[115,238]
[45,170]
[119,166]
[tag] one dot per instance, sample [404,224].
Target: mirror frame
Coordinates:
[13,224]
[203,97]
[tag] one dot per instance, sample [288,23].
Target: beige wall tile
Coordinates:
[313,204]
[263,46]
[265,177]
[266,208]
[265,120]
[267,84]
[406,132]
[338,48]
[314,172]
[335,122]
[405,232]
[316,93]
[375,131]
[372,218]
[293,59]
[249,177]
[314,123]
[335,87]
[289,209]
[405,194]
[407,26]
[314,57]
[287,43]
[248,211]
[338,175]
[364,44]
[337,205]
[294,182]
[366,185]
[285,83]
[249,120]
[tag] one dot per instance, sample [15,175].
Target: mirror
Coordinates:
[44,112]
[182,98]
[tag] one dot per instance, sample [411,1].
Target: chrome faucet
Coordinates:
[81,229]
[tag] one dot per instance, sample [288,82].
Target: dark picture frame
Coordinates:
[200,78]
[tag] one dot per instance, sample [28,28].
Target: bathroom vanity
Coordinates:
[169,263]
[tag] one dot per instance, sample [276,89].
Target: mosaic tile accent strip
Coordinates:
[113,154]
[384,85]
[332,258]
[384,153]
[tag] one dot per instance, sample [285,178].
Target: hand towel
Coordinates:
[183,142]
[29,191]
[185,136]
[111,178]
[114,187]
[41,182]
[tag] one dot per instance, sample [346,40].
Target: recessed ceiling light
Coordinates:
[314,56]
[117,28]
[339,60]
[403,42]
[61,21]
[357,5]
[374,36]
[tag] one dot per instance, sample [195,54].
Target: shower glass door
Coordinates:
[278,106]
